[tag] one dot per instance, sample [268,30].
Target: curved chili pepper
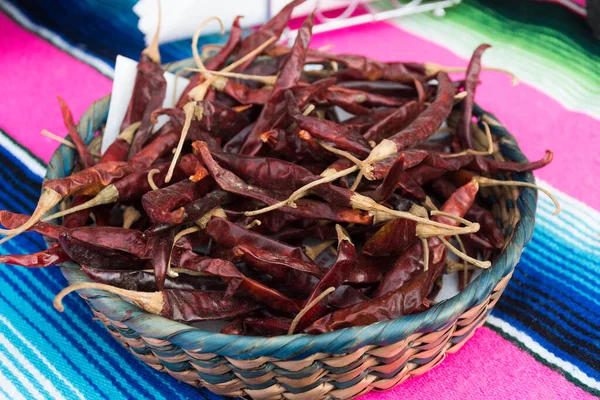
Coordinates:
[166,205]
[287,79]
[149,91]
[343,137]
[272,28]
[229,273]
[41,259]
[143,281]
[13,220]
[393,238]
[96,256]
[394,122]
[463,129]
[85,157]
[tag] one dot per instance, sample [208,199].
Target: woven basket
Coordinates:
[341,364]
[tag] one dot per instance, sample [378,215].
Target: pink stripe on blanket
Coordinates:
[487,367]
[536,120]
[32,73]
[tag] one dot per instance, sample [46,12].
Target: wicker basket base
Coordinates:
[368,368]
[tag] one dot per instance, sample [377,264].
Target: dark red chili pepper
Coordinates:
[463,129]
[13,220]
[343,137]
[229,273]
[392,239]
[287,79]
[268,326]
[304,208]
[161,243]
[405,288]
[149,91]
[276,264]
[89,181]
[272,28]
[346,296]
[394,122]
[166,205]
[85,157]
[130,241]
[96,256]
[44,258]
[397,177]
[487,221]
[143,281]
[344,264]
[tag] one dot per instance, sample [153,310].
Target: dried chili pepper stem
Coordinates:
[129,132]
[151,174]
[108,195]
[308,307]
[191,110]
[199,92]
[196,36]
[60,140]
[267,80]
[152,302]
[48,199]
[483,181]
[301,192]
[490,150]
[179,235]
[463,256]
[215,212]
[130,216]
[152,49]
[425,254]
[252,224]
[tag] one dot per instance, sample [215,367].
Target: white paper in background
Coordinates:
[181,18]
[123,82]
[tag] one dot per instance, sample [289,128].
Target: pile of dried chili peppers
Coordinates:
[291,190]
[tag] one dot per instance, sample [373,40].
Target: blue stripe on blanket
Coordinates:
[553,297]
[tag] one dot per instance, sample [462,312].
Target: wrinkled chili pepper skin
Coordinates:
[85,157]
[44,258]
[268,326]
[272,28]
[195,305]
[344,264]
[393,238]
[89,181]
[410,263]
[161,243]
[394,122]
[166,205]
[405,288]
[341,136]
[346,296]
[463,130]
[143,281]
[230,274]
[428,122]
[230,235]
[487,221]
[287,79]
[128,240]
[311,209]
[13,220]
[117,151]
[98,257]
[276,264]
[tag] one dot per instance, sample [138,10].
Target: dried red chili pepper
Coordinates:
[175,304]
[394,122]
[287,79]
[44,258]
[166,205]
[85,157]
[463,129]
[13,221]
[144,281]
[343,137]
[272,28]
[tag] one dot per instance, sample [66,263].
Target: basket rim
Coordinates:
[300,345]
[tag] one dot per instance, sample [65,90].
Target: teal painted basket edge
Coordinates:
[301,345]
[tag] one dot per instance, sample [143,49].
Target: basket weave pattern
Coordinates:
[341,364]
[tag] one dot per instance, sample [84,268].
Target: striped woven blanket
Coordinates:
[543,337]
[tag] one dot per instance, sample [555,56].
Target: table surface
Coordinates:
[542,339]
